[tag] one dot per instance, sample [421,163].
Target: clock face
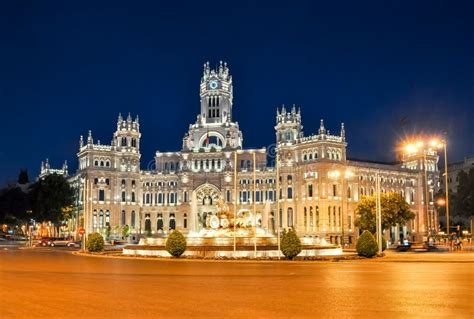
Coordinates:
[213,84]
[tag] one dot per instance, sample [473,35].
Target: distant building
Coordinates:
[47,170]
[319,185]
[453,171]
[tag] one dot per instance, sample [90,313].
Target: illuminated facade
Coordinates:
[318,186]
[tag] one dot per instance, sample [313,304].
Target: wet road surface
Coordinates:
[53,283]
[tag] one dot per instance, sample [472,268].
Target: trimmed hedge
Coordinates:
[176,244]
[290,244]
[95,242]
[366,245]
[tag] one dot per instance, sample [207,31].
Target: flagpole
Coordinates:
[235,200]
[254,205]
[277,197]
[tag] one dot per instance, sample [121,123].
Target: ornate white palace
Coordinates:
[318,186]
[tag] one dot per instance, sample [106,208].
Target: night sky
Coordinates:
[385,68]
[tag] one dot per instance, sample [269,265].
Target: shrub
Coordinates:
[95,242]
[176,244]
[290,244]
[366,245]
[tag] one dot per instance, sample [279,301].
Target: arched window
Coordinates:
[340,216]
[329,215]
[272,221]
[107,164]
[102,163]
[317,217]
[290,217]
[101,218]
[334,215]
[159,222]
[305,218]
[124,218]
[305,157]
[124,141]
[94,219]
[107,218]
[311,217]
[172,223]
[123,182]
[132,221]
[147,223]
[96,163]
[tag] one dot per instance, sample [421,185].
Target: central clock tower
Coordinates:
[216,94]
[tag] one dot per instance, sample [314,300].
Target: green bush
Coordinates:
[95,242]
[290,244]
[366,245]
[176,244]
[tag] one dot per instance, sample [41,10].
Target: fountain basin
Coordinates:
[224,247]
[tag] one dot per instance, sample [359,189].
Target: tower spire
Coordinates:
[322,129]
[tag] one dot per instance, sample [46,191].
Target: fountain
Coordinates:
[216,233]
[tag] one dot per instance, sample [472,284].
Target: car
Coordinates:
[404,247]
[44,242]
[76,244]
[59,242]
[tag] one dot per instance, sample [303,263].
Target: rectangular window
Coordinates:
[290,192]
[310,190]
[185,196]
[124,196]
[334,190]
[101,195]
[229,196]
[257,197]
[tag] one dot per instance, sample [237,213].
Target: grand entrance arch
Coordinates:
[204,203]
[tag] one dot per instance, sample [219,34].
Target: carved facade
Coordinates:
[318,186]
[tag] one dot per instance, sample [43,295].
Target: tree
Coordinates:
[464,197]
[23,177]
[125,231]
[176,244]
[108,231]
[290,244]
[366,245]
[395,210]
[51,199]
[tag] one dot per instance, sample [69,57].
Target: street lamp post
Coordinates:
[446,184]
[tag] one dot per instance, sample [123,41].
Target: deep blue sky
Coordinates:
[70,66]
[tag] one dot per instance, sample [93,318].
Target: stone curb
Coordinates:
[78,253]
[362,260]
